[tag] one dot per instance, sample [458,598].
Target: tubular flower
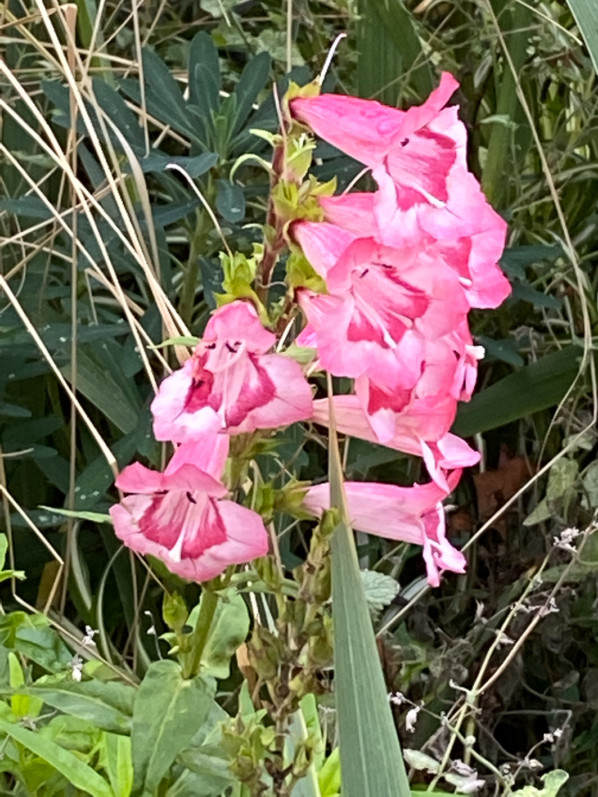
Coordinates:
[381,301]
[473,257]
[410,514]
[420,430]
[418,147]
[181,516]
[230,383]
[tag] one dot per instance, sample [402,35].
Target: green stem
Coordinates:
[201,632]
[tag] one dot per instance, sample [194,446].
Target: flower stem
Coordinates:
[201,632]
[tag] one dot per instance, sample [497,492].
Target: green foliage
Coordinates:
[194,96]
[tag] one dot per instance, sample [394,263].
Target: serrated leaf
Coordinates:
[379,588]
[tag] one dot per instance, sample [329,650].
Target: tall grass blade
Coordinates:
[371,759]
[390,52]
[586,16]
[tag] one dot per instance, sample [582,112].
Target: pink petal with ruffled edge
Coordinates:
[413,432]
[179,517]
[410,514]
[229,384]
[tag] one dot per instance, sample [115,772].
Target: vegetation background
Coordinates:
[97,270]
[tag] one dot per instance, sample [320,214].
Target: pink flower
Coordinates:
[418,158]
[420,429]
[230,383]
[181,517]
[465,215]
[418,147]
[411,514]
[381,301]
[474,256]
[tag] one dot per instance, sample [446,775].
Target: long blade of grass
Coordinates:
[586,16]
[371,758]
[390,52]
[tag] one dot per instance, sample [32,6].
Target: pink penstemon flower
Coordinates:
[231,383]
[418,147]
[421,430]
[182,516]
[473,257]
[409,514]
[381,305]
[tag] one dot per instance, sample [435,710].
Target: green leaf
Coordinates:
[253,79]
[168,712]
[118,763]
[586,16]
[76,772]
[389,47]
[228,631]
[99,386]
[536,387]
[204,79]
[163,95]
[108,705]
[194,166]
[371,760]
[379,588]
[552,784]
[230,201]
[94,517]
[329,778]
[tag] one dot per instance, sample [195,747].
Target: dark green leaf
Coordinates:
[230,201]
[390,52]
[536,387]
[252,81]
[163,95]
[195,166]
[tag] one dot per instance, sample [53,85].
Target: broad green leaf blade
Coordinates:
[371,760]
[108,706]
[168,712]
[389,48]
[118,763]
[230,201]
[253,79]
[78,773]
[536,387]
[586,16]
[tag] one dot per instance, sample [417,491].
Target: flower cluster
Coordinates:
[402,266]
[230,385]
[398,270]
